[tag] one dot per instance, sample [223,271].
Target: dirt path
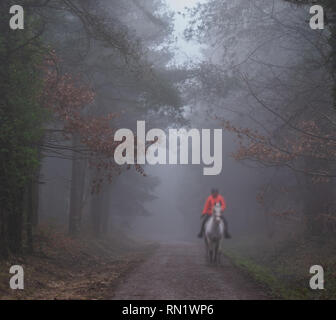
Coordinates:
[179,271]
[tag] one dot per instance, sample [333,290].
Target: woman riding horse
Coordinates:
[214,198]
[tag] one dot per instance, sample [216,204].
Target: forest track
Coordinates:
[179,271]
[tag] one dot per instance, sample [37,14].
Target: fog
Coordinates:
[216,69]
[254,69]
[184,50]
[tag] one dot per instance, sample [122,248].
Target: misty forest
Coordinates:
[85,227]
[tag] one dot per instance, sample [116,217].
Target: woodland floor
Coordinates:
[66,268]
[116,268]
[123,268]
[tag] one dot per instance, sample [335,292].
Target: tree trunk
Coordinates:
[3,233]
[36,191]
[96,214]
[15,225]
[105,213]
[30,215]
[75,191]
[317,197]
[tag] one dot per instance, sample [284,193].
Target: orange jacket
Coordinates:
[210,203]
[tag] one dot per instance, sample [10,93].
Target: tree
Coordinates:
[21,119]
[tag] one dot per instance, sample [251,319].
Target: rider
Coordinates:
[214,198]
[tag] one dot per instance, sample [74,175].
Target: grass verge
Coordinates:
[284,268]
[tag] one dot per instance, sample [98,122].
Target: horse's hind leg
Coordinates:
[207,250]
[213,254]
[217,253]
[220,252]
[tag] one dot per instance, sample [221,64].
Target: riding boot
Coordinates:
[200,235]
[205,219]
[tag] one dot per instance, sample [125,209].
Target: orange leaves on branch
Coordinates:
[309,141]
[67,97]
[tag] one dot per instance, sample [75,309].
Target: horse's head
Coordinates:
[217,212]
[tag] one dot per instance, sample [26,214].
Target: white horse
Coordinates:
[214,234]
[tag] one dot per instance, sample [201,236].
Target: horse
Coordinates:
[214,234]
